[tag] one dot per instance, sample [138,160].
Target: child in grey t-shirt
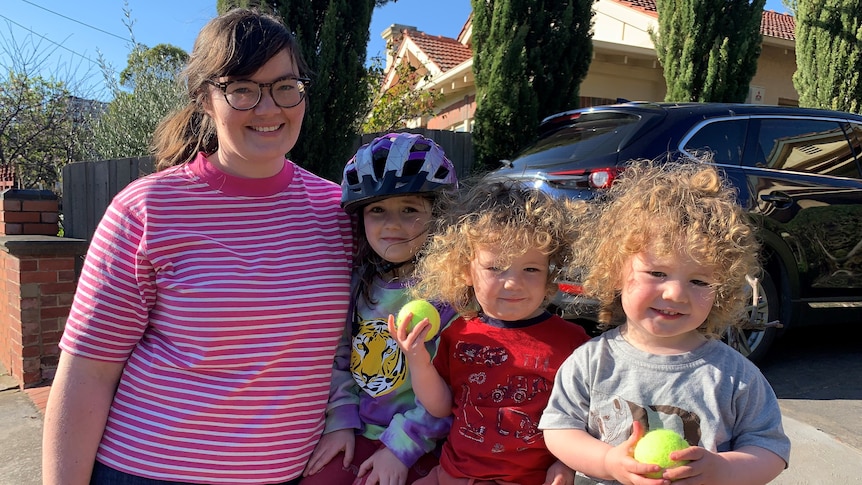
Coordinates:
[667,259]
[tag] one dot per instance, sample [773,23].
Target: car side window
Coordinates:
[809,146]
[724,140]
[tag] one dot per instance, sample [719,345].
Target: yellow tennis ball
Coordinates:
[420,309]
[655,448]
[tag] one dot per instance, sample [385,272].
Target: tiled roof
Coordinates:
[443,51]
[774,24]
[778,25]
[645,5]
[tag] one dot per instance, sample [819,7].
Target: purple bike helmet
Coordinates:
[392,165]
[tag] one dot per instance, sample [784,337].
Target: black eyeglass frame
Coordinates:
[260,86]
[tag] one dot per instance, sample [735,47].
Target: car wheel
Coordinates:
[755,338]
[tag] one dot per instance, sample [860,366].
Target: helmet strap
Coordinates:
[388,266]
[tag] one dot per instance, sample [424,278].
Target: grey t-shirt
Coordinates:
[712,396]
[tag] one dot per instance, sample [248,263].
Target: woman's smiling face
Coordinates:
[253,143]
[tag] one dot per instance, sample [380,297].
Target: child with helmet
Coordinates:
[376,431]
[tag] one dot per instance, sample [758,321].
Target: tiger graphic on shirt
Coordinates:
[377,364]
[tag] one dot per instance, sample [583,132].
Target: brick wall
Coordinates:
[29,212]
[37,283]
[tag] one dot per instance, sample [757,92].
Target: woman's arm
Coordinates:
[75,418]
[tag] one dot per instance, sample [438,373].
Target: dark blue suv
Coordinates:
[798,172]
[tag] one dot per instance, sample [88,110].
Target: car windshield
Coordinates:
[591,135]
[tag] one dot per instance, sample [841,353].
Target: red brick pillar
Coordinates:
[37,284]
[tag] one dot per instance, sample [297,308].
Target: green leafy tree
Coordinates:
[162,62]
[829,54]
[34,123]
[708,49]
[529,60]
[43,115]
[333,36]
[144,93]
[399,103]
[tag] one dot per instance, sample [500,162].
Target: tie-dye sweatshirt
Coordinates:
[371,389]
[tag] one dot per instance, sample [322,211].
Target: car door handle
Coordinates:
[779,199]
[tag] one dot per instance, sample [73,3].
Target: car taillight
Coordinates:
[558,120]
[567,118]
[595,178]
[570,288]
[603,178]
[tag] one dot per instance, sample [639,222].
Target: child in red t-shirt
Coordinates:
[495,263]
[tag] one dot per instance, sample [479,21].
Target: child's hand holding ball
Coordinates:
[420,309]
[655,448]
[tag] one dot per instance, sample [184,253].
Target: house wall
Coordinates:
[616,23]
[608,80]
[621,70]
[775,70]
[457,116]
[774,77]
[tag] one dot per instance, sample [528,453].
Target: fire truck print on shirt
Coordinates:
[480,396]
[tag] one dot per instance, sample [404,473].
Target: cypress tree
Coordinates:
[708,49]
[529,58]
[333,36]
[829,54]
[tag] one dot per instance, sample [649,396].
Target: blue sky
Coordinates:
[75,33]
[69,36]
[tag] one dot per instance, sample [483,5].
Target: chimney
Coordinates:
[392,36]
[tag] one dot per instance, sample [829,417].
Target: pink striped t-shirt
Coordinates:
[226,297]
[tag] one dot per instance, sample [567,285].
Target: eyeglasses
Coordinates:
[245,95]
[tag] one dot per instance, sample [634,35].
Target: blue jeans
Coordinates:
[105,475]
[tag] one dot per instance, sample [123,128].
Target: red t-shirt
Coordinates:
[501,374]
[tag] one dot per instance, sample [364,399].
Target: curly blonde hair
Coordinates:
[681,206]
[507,216]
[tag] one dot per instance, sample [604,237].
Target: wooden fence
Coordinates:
[88,187]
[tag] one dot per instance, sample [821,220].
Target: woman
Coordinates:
[199,346]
